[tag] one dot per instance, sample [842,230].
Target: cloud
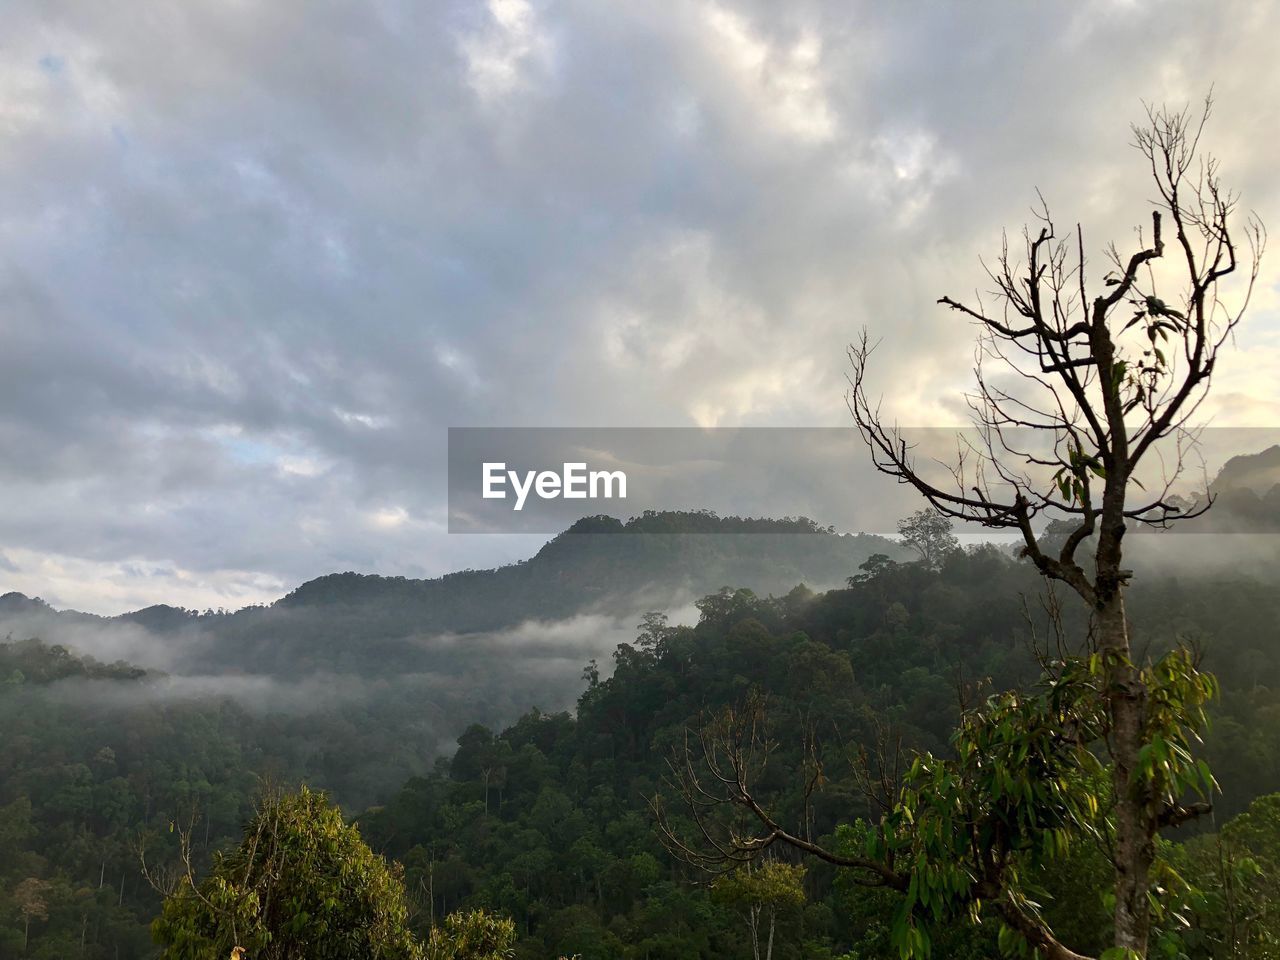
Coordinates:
[501,54]
[782,84]
[255,260]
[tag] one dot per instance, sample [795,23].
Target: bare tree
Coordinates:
[1111,378]
[1087,389]
[714,775]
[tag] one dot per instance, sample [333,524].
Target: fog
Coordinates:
[104,640]
[536,662]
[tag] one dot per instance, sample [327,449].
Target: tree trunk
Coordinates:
[1135,834]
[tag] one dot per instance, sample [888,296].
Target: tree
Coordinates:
[472,935]
[872,568]
[302,884]
[928,532]
[31,899]
[1108,381]
[1237,907]
[1091,388]
[761,892]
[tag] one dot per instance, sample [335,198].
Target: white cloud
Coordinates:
[52,81]
[784,84]
[114,586]
[389,518]
[504,54]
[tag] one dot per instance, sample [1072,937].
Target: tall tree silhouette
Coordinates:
[1087,389]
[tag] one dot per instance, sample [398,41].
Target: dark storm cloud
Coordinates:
[256,258]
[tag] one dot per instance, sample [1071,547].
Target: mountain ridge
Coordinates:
[373,624]
[350,586]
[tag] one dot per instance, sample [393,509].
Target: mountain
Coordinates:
[375,625]
[17,605]
[1259,472]
[1246,496]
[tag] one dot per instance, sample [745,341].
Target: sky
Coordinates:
[257,258]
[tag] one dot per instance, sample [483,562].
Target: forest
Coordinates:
[549,821]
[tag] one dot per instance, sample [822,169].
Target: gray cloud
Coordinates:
[254,261]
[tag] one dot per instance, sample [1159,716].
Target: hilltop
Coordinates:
[372,624]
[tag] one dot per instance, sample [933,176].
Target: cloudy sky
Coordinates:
[256,258]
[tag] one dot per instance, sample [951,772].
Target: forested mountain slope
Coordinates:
[548,820]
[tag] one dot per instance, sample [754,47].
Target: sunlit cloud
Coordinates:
[783,84]
[503,53]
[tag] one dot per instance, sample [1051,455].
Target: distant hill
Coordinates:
[1246,496]
[375,625]
[1259,472]
[16,604]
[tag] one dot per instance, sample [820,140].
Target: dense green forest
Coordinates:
[548,821]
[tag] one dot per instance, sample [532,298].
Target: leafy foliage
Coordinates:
[928,533]
[472,935]
[302,884]
[1020,791]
